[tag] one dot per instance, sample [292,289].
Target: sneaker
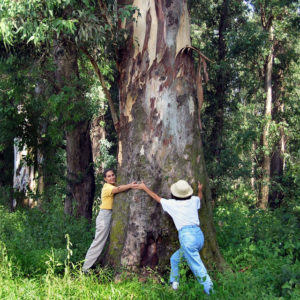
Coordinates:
[175,285]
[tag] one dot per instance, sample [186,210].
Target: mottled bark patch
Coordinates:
[149,255]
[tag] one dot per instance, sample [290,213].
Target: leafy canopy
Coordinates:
[41,21]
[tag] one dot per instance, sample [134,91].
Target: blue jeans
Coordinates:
[191,241]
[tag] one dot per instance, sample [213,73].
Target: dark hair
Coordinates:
[176,198]
[107,170]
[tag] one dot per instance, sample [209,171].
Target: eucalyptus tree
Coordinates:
[286,58]
[267,24]
[159,138]
[264,57]
[244,70]
[60,29]
[276,19]
[20,114]
[215,25]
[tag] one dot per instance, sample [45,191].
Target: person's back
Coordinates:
[184,212]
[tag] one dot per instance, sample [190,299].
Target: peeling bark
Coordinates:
[159,139]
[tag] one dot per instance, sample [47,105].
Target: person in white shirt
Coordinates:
[183,208]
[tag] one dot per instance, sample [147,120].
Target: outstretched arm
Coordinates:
[143,187]
[124,187]
[200,194]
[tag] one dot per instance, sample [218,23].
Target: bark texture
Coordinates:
[80,175]
[159,140]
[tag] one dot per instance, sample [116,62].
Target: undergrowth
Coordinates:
[41,253]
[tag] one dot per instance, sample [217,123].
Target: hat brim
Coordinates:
[175,193]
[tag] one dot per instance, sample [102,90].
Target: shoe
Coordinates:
[175,285]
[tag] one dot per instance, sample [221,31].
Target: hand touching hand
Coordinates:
[134,185]
[141,186]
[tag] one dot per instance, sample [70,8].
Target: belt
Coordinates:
[188,226]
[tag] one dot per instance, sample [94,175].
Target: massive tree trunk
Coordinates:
[159,140]
[80,175]
[266,164]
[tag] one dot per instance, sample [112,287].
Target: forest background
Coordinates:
[60,86]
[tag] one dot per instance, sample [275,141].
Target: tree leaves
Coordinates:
[38,21]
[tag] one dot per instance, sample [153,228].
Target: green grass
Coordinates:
[75,285]
[41,252]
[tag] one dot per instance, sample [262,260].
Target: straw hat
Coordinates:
[181,189]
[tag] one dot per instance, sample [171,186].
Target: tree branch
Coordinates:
[262,16]
[105,89]
[103,10]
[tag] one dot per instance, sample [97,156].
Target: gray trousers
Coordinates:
[103,225]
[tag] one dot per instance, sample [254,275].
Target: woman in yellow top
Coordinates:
[103,221]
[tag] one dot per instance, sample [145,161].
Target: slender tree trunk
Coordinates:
[80,175]
[277,160]
[266,164]
[221,83]
[39,156]
[97,134]
[253,164]
[276,172]
[159,140]
[6,171]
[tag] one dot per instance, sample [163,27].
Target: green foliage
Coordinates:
[39,22]
[41,251]
[29,117]
[32,236]
[232,116]
[261,244]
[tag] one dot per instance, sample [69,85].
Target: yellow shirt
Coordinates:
[107,197]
